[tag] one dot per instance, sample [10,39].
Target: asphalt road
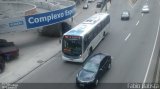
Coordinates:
[134,45]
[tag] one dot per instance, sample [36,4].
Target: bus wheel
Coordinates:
[104,34]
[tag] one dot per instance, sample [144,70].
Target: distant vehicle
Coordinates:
[91,0]
[2,64]
[99,3]
[8,50]
[79,42]
[145,9]
[94,68]
[85,6]
[125,15]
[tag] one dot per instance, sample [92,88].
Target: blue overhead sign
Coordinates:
[48,18]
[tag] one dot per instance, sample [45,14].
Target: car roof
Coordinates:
[97,58]
[99,0]
[125,11]
[145,6]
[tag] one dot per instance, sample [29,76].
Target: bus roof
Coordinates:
[86,26]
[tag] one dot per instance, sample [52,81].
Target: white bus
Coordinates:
[79,42]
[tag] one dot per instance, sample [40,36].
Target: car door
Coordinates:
[108,61]
[102,68]
[105,64]
[100,71]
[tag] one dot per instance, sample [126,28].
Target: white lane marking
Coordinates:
[128,36]
[142,15]
[130,3]
[137,23]
[144,81]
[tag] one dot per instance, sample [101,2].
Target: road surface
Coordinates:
[134,45]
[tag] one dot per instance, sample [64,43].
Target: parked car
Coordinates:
[2,64]
[65,27]
[6,44]
[145,9]
[3,41]
[125,15]
[93,70]
[8,50]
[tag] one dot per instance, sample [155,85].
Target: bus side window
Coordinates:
[99,28]
[86,42]
[94,32]
[89,37]
[103,24]
[107,20]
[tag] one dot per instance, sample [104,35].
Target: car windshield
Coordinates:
[91,67]
[145,6]
[125,13]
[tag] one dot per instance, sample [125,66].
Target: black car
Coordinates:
[93,70]
[2,64]
[125,15]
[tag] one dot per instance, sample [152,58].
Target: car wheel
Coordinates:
[96,83]
[109,66]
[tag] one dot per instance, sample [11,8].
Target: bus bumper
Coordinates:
[80,60]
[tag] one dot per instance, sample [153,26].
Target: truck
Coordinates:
[8,50]
[2,64]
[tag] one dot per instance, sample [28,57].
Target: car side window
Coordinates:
[107,60]
[103,63]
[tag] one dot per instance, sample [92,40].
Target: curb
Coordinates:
[51,58]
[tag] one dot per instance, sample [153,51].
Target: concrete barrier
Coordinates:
[16,9]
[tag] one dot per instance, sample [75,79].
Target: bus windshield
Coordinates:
[72,45]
